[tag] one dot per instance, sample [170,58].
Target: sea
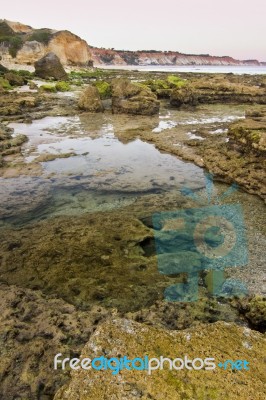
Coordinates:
[208,69]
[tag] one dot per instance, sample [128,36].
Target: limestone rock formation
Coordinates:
[50,66]
[90,100]
[250,133]
[70,49]
[23,44]
[130,98]
[221,341]
[152,57]
[183,96]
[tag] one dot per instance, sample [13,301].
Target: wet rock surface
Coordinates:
[250,134]
[63,275]
[130,98]
[8,143]
[119,337]
[90,100]
[33,329]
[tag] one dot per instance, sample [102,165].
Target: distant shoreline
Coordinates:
[223,69]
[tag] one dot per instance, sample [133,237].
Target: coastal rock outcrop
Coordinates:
[183,96]
[250,133]
[23,44]
[152,57]
[119,337]
[50,66]
[90,100]
[130,98]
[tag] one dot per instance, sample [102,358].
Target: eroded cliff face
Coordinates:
[70,48]
[117,57]
[21,44]
[32,44]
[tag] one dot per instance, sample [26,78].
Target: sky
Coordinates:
[217,27]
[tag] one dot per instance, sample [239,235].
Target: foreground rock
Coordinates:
[90,100]
[221,341]
[33,328]
[130,98]
[50,66]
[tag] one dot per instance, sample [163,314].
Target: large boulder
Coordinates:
[130,98]
[90,100]
[117,338]
[50,66]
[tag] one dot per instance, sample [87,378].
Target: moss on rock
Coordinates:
[119,337]
[104,89]
[62,86]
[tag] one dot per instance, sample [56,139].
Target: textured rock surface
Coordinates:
[90,100]
[33,328]
[183,96]
[250,133]
[8,144]
[50,66]
[130,98]
[70,49]
[218,89]
[124,337]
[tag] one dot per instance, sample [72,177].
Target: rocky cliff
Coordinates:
[21,44]
[151,57]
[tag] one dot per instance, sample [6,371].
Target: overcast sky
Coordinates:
[218,27]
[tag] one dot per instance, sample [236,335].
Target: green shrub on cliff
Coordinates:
[41,35]
[104,89]
[62,86]
[14,44]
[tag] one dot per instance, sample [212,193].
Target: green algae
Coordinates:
[62,86]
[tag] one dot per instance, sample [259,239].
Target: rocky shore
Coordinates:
[92,280]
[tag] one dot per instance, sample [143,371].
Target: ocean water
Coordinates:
[208,69]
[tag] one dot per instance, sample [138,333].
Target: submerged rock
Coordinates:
[130,98]
[50,66]
[122,337]
[90,100]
